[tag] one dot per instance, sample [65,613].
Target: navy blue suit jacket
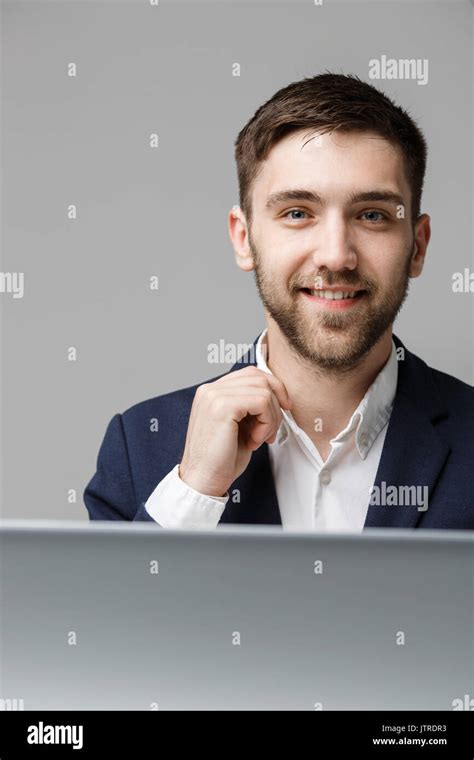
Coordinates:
[429,442]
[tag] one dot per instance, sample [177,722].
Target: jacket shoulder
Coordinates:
[173,404]
[455,392]
[456,407]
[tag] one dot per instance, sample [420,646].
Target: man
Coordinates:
[330,424]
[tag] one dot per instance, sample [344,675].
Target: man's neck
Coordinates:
[323,402]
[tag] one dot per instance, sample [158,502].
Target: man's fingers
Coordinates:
[266,430]
[250,376]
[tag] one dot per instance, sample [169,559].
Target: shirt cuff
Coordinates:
[174,504]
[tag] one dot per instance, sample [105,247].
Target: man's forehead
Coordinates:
[348,163]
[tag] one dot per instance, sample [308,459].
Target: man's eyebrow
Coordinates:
[378,195]
[285,196]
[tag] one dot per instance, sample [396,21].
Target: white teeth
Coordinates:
[333,295]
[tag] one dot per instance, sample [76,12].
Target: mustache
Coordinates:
[329,279]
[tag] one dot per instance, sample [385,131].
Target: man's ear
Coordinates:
[238,233]
[420,245]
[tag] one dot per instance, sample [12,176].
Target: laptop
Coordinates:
[129,616]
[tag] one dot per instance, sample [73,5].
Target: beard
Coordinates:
[335,341]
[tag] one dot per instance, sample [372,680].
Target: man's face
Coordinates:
[332,270]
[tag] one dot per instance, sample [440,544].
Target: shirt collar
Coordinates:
[370,416]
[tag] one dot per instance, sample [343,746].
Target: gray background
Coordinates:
[144,212]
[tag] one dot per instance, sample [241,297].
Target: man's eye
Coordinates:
[374,216]
[295,211]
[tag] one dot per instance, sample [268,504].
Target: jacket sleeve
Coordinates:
[110,494]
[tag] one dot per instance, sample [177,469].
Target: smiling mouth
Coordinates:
[334,295]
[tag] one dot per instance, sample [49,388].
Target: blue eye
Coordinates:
[374,213]
[295,211]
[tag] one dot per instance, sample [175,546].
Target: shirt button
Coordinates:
[325,477]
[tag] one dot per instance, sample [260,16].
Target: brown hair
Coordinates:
[324,103]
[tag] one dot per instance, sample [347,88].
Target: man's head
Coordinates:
[354,163]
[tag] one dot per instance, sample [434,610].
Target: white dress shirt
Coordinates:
[313,495]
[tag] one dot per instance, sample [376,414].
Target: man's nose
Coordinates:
[334,247]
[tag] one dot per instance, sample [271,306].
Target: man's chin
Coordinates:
[333,347]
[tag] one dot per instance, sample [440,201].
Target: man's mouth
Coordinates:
[334,295]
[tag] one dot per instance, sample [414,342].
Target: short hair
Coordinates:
[324,103]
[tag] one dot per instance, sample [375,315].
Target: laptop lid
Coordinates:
[129,616]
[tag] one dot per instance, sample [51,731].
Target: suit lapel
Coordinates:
[413,453]
[253,496]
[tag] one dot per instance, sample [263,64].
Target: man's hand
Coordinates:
[230,418]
